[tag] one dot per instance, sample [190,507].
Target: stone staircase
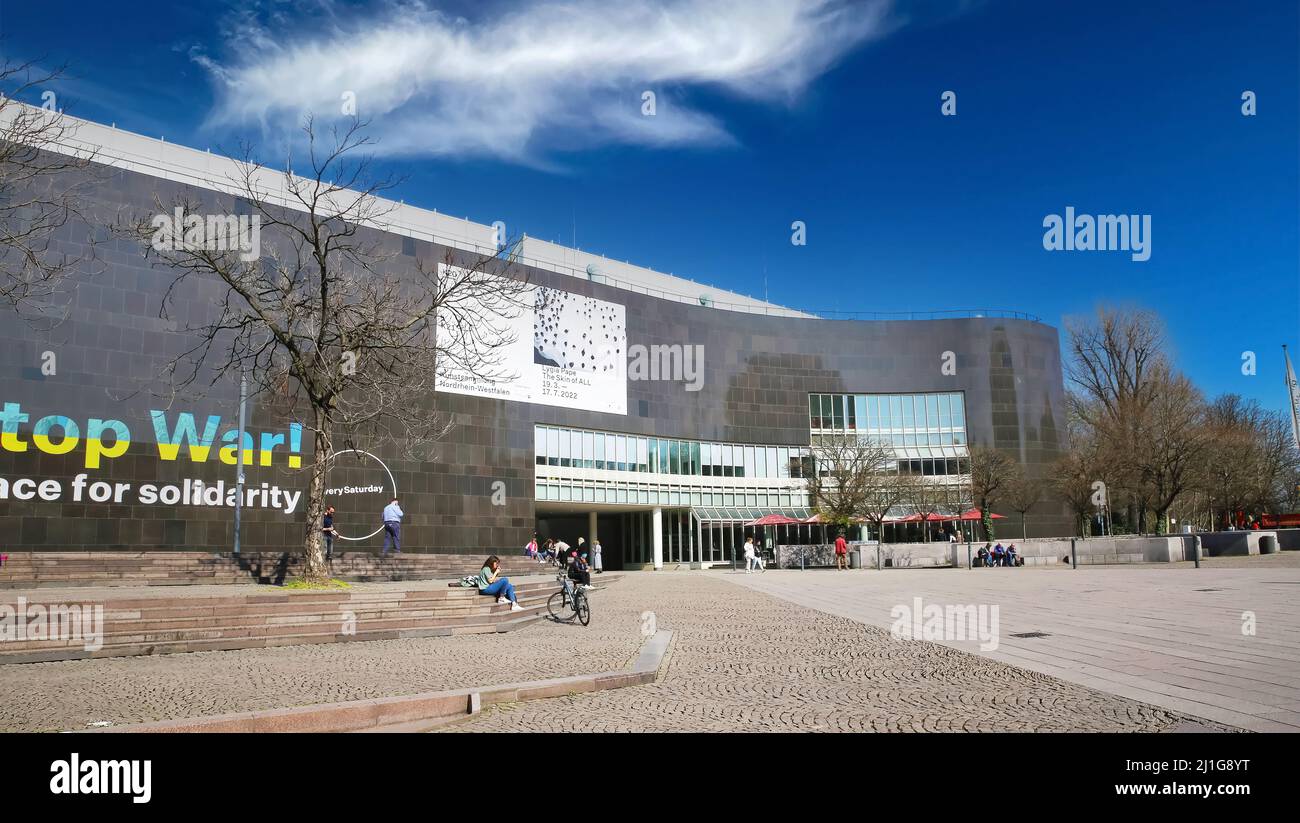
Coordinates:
[34,570]
[153,622]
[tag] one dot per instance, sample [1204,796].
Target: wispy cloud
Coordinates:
[530,78]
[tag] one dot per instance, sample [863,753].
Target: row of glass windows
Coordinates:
[567,490]
[888,412]
[935,467]
[905,440]
[631,453]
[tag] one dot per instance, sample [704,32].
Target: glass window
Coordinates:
[539,445]
[885,421]
[674,457]
[771,462]
[663,456]
[620,444]
[959,439]
[589,449]
[565,455]
[814,411]
[850,412]
[782,462]
[838,410]
[945,412]
[706,459]
[873,412]
[695,459]
[760,462]
[896,411]
[600,451]
[553,447]
[909,421]
[932,409]
[642,455]
[958,412]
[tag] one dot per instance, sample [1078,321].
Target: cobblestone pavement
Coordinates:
[745,661]
[71,694]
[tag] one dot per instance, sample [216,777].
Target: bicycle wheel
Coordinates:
[558,606]
[582,608]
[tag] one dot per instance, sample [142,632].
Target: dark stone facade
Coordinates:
[759,371]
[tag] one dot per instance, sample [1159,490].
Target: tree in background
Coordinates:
[1021,494]
[924,497]
[990,471]
[852,479]
[40,193]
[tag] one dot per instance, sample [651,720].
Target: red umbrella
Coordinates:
[974,514]
[774,520]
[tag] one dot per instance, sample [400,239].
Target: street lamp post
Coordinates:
[239,463]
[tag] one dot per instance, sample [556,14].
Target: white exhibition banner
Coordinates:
[560,349]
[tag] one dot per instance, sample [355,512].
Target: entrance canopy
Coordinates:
[743,516]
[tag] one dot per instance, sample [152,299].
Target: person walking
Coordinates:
[749,555]
[329,532]
[596,563]
[392,527]
[841,553]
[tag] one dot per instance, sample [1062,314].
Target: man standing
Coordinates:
[392,527]
[329,532]
[841,552]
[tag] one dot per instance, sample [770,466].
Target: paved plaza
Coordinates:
[745,661]
[1167,636]
[1129,649]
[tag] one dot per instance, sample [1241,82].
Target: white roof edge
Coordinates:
[170,161]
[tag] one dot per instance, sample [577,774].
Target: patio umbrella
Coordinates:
[774,520]
[974,514]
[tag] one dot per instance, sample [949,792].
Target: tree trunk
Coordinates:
[315,570]
[1024,530]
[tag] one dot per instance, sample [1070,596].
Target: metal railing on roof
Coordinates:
[203,177]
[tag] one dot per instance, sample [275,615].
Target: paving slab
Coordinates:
[1176,637]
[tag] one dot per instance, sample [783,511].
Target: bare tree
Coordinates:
[925,497]
[349,335]
[1172,437]
[1117,363]
[40,192]
[990,470]
[853,479]
[1022,493]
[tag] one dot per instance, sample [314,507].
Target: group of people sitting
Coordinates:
[575,560]
[999,556]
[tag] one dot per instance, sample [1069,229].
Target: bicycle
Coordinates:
[569,602]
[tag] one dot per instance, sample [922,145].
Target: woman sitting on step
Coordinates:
[490,584]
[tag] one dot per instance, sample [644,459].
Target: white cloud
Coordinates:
[534,77]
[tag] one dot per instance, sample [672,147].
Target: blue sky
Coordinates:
[771,111]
